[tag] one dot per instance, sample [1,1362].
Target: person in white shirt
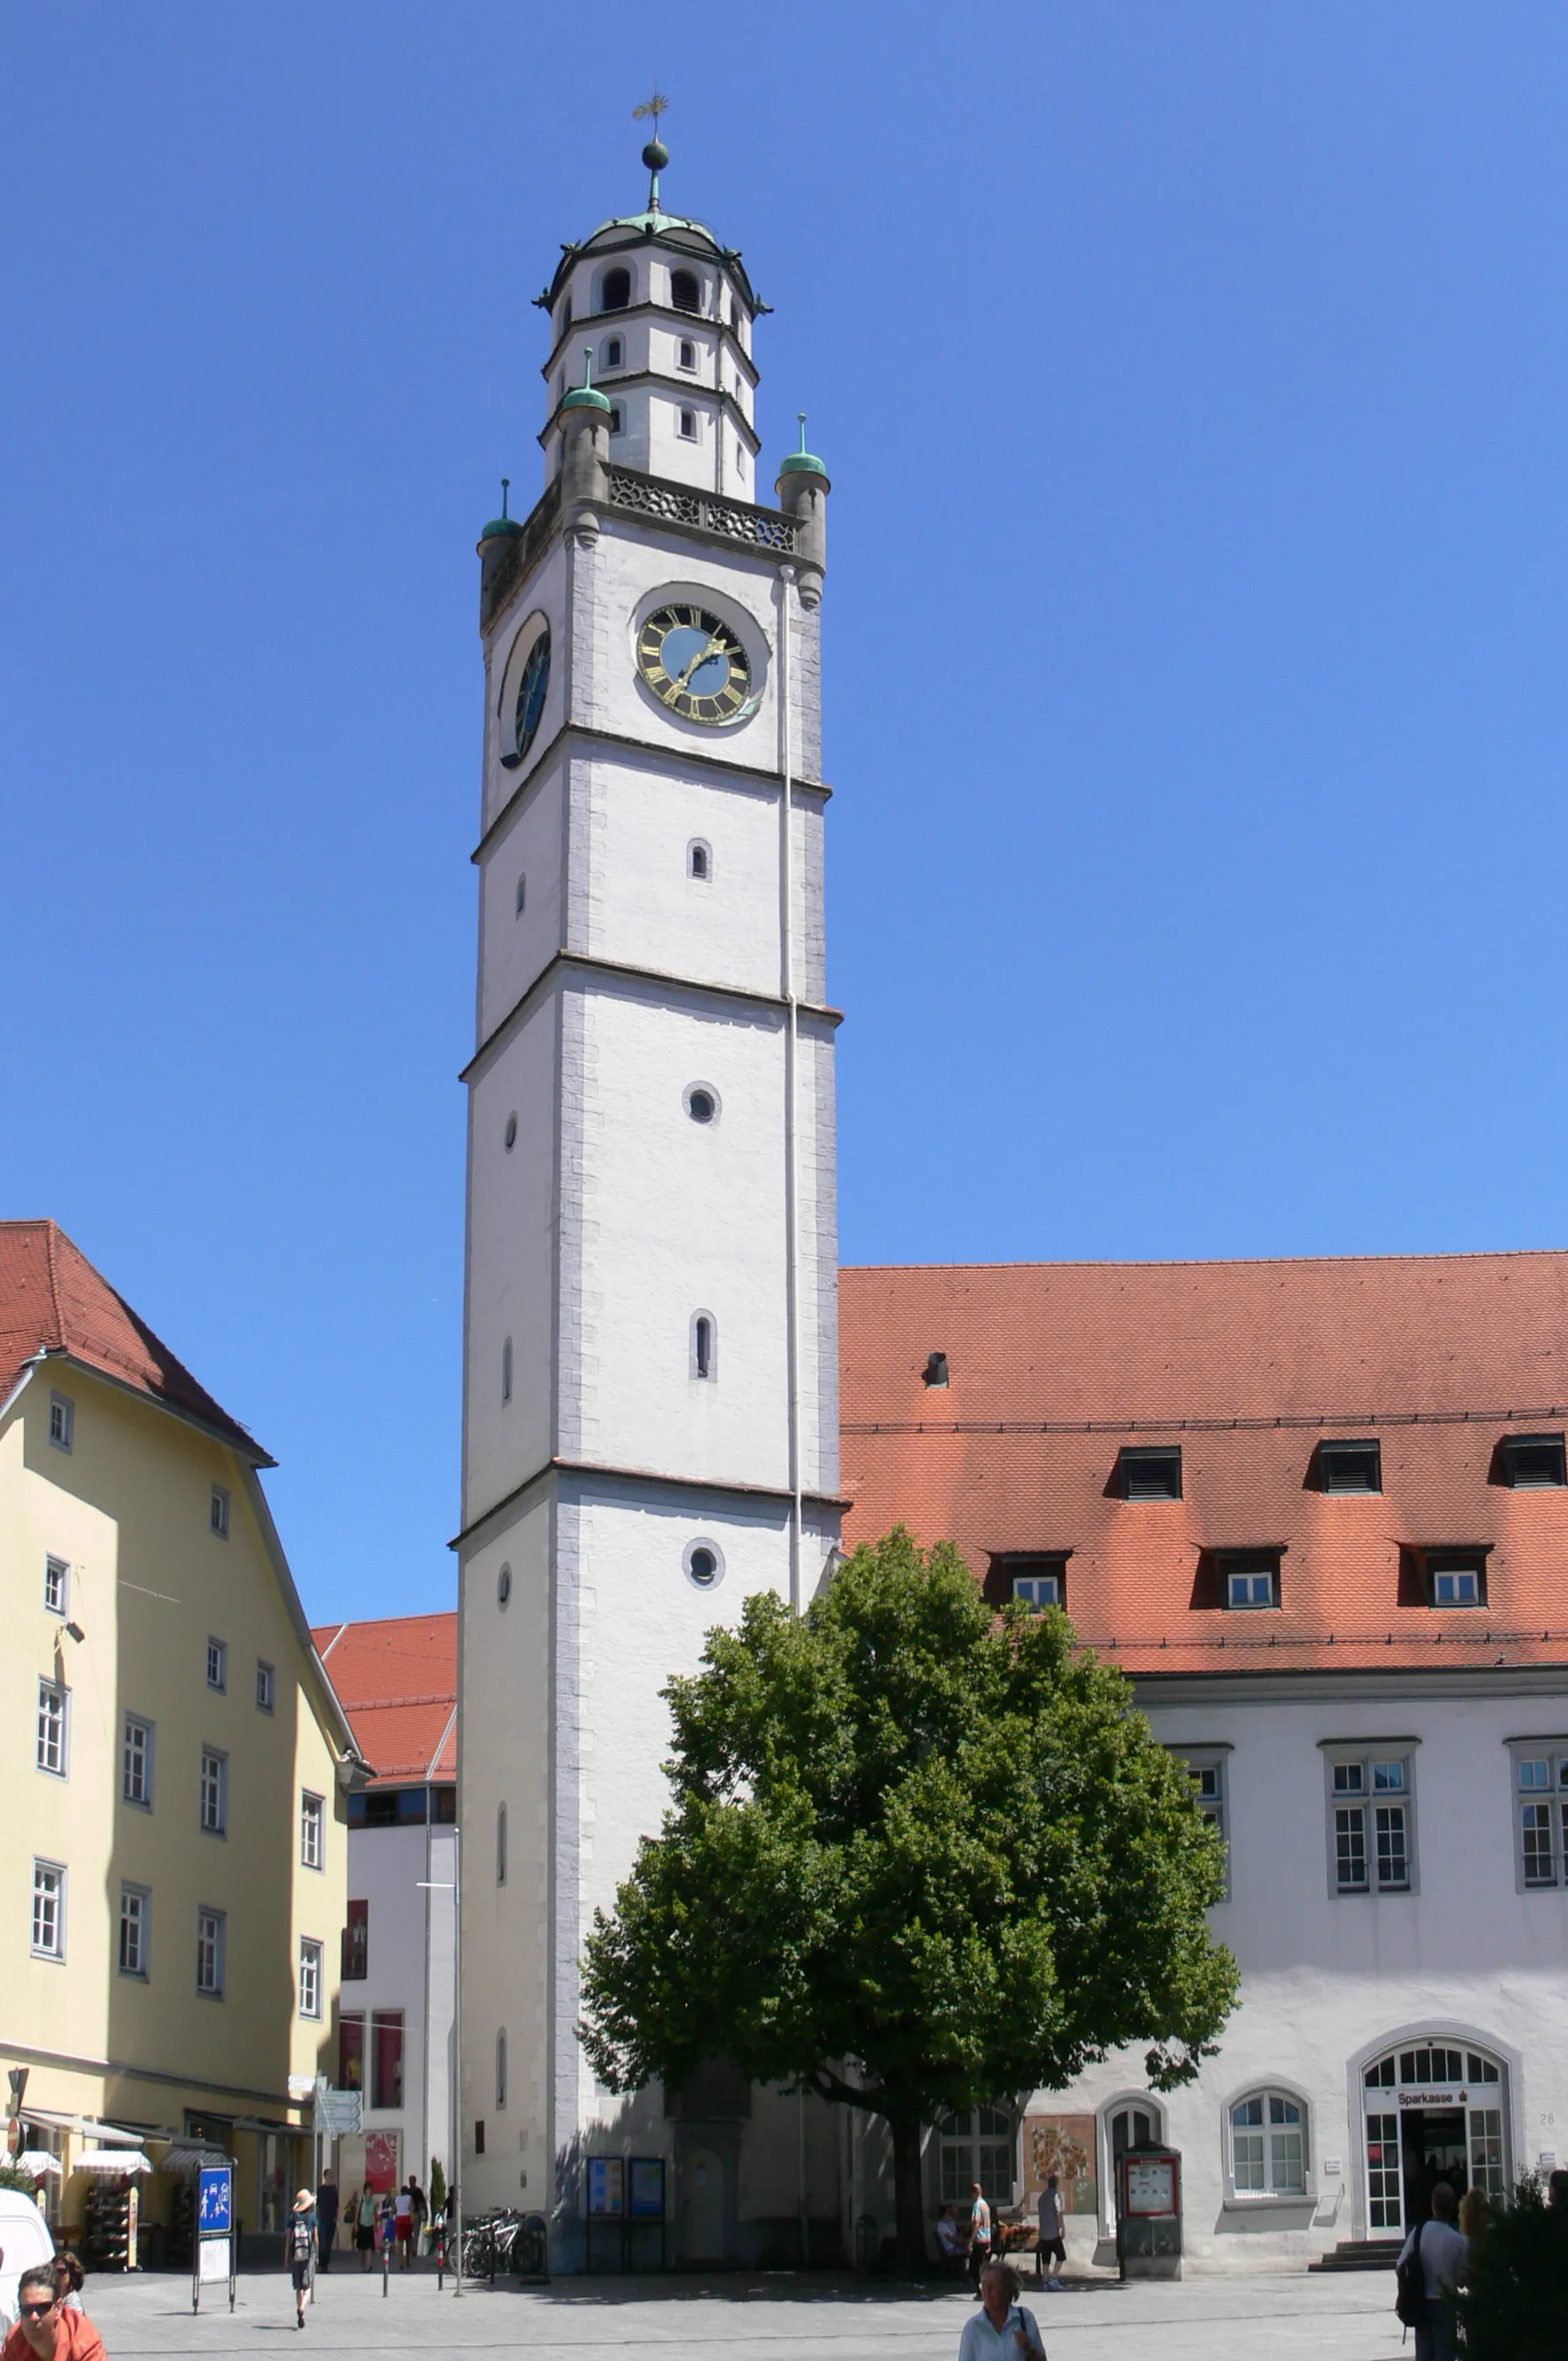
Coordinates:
[978,2232]
[1003,2329]
[1444,2252]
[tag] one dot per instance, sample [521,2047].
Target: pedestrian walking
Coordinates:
[979,2232]
[1437,2257]
[422,2214]
[1051,2247]
[44,2331]
[1003,2329]
[403,2224]
[326,2220]
[299,2244]
[365,2225]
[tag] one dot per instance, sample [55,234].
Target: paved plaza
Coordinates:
[767,2315]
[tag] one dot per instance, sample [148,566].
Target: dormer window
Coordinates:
[1533,1462]
[1037,1582]
[616,292]
[1350,1466]
[685,290]
[1455,1577]
[1149,1472]
[1249,1578]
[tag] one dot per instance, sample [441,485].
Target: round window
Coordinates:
[704,1563]
[510,1133]
[702,1103]
[503,1585]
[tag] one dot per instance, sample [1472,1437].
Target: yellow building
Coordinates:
[174,1841]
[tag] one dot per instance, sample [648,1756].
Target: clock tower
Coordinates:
[649,1414]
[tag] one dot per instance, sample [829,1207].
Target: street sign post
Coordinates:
[214,2232]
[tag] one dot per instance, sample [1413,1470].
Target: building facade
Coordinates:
[173,1864]
[396,1680]
[649,1358]
[1318,1512]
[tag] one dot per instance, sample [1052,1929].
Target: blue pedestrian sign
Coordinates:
[215,2205]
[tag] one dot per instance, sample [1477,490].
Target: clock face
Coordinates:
[694,664]
[531,691]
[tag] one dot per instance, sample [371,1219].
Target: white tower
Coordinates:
[650,1426]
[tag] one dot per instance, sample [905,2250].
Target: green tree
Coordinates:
[920,1856]
[1515,2307]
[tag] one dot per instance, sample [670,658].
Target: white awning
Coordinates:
[190,2156]
[104,2133]
[37,2161]
[113,2159]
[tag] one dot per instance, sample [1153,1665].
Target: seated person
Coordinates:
[949,2237]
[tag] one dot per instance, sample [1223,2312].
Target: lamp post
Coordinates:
[454,1885]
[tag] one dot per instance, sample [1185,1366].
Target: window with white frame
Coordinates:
[1206,1767]
[217,1664]
[310,1976]
[1268,2146]
[48,1910]
[312,1831]
[1249,1578]
[1541,1811]
[1370,1820]
[218,1513]
[61,1421]
[212,1942]
[136,1761]
[53,1729]
[57,1587]
[1037,1582]
[135,1907]
[977,2144]
[214,1792]
[266,1686]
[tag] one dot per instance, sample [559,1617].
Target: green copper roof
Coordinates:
[586,396]
[504,527]
[802,462]
[681,231]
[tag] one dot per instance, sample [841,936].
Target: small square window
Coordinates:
[1534,1462]
[688,425]
[1150,1473]
[61,1421]
[1350,1466]
[1456,1578]
[266,1687]
[217,1664]
[1037,1582]
[57,1586]
[218,1513]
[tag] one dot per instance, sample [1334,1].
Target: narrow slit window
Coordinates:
[501,1844]
[612,353]
[704,1342]
[688,354]
[506,1370]
[699,860]
[522,903]
[688,425]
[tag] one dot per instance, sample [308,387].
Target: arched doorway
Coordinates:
[1136,2121]
[1433,2110]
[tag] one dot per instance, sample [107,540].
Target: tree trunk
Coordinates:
[909,2200]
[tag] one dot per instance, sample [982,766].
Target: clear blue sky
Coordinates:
[1192,380]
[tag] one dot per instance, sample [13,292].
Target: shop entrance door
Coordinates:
[1433,2112]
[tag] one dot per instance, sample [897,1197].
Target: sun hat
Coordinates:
[303,2199]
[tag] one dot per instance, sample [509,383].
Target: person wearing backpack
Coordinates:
[299,2244]
[1430,2268]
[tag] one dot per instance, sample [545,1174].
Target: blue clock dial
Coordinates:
[531,691]
[694,664]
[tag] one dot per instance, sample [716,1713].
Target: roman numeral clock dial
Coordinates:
[694,664]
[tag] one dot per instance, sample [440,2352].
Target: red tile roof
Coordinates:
[1052,1366]
[396,1680]
[52,1300]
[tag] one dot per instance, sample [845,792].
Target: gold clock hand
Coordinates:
[714,648]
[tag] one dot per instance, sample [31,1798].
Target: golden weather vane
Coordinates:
[650,109]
